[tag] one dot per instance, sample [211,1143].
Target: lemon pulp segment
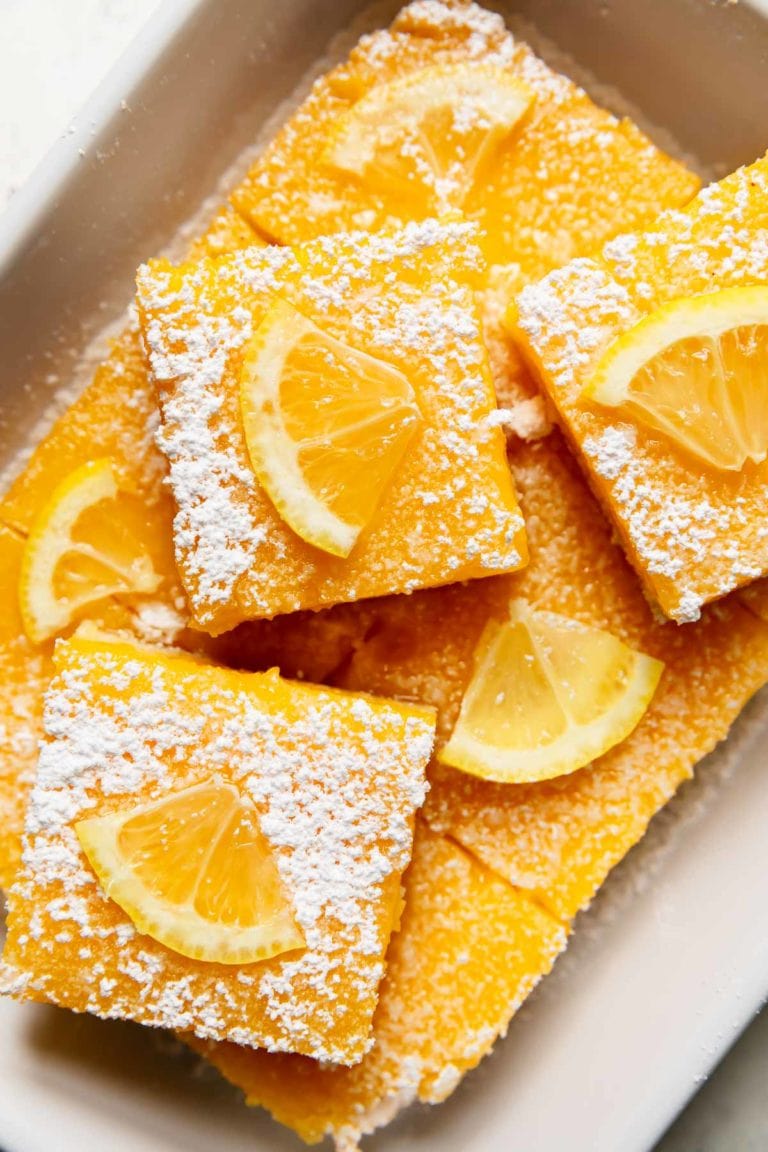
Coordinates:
[193,871]
[547,696]
[83,546]
[427,137]
[326,426]
[696,370]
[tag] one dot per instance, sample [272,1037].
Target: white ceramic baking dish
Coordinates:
[672,960]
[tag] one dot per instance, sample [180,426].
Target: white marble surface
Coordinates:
[52,54]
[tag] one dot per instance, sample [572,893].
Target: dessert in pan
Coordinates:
[397,565]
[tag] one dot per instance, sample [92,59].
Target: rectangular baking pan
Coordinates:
[671,961]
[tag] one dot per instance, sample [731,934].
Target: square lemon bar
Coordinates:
[329,421]
[654,355]
[213,851]
[446,110]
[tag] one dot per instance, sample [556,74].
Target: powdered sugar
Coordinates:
[403,296]
[487,38]
[335,802]
[694,525]
[561,301]
[212,526]
[693,533]
[613,450]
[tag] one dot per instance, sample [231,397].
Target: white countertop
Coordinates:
[53,53]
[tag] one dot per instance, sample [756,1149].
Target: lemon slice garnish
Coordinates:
[326,426]
[428,136]
[194,872]
[82,547]
[696,370]
[547,696]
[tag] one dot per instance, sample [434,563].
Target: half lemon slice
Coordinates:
[326,426]
[548,695]
[696,370]
[84,545]
[429,135]
[194,872]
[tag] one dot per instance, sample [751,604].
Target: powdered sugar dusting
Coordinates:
[483,34]
[697,526]
[212,526]
[335,802]
[560,302]
[404,296]
[693,533]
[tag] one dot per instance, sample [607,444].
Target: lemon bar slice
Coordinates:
[381,136]
[559,838]
[469,950]
[654,355]
[250,423]
[144,749]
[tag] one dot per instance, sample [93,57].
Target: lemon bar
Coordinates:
[469,950]
[397,307]
[653,354]
[559,838]
[330,782]
[544,187]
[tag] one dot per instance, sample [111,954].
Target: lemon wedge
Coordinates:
[194,872]
[696,371]
[326,426]
[428,137]
[82,547]
[547,696]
